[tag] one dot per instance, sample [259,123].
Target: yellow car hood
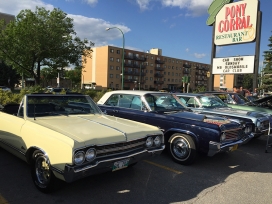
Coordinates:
[97,129]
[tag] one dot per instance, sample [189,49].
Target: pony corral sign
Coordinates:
[236,23]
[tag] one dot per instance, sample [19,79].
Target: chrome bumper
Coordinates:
[216,147]
[72,173]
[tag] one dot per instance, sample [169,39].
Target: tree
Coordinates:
[248,81]
[8,76]
[74,75]
[267,70]
[42,39]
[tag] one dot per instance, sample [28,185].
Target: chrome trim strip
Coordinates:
[113,159]
[12,147]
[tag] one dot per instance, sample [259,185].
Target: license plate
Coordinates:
[120,165]
[233,148]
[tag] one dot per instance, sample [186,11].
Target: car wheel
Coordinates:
[41,173]
[182,149]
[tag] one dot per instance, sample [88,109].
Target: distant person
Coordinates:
[242,91]
[255,92]
[235,89]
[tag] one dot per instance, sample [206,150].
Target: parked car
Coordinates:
[237,101]
[185,132]
[4,88]
[211,104]
[265,102]
[67,137]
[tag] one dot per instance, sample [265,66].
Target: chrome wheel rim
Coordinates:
[181,148]
[42,171]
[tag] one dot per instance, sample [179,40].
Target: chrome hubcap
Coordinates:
[42,171]
[180,148]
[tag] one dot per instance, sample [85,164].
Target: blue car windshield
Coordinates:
[211,102]
[161,102]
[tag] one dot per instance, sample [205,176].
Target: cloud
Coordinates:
[94,29]
[199,56]
[14,6]
[91,2]
[143,4]
[187,50]
[194,7]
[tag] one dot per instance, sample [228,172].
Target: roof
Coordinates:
[138,92]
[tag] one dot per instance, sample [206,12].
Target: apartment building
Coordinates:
[142,70]
[6,17]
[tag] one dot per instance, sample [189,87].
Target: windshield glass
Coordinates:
[211,102]
[161,102]
[51,105]
[239,99]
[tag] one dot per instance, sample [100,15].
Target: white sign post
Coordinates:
[233,65]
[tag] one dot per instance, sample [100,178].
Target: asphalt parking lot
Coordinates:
[242,176]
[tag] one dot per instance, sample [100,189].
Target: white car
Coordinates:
[4,88]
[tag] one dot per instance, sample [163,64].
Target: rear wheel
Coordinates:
[182,148]
[41,173]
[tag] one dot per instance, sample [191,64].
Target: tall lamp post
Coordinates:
[122,54]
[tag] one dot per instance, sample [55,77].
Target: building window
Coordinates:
[151,65]
[152,57]
[117,76]
[111,68]
[151,78]
[117,86]
[169,67]
[111,59]
[146,78]
[117,60]
[168,80]
[173,74]
[168,73]
[173,67]
[112,50]
[111,75]
[118,51]
[172,80]
[146,71]
[151,71]
[117,68]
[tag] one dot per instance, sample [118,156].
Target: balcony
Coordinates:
[187,65]
[186,72]
[139,58]
[159,61]
[128,56]
[158,75]
[129,80]
[158,82]
[159,68]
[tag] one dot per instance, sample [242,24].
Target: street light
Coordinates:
[122,54]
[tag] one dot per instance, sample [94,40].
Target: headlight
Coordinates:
[79,158]
[248,129]
[149,142]
[223,137]
[90,154]
[258,124]
[157,141]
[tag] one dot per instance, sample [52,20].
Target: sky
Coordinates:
[178,27]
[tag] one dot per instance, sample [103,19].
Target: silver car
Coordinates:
[208,103]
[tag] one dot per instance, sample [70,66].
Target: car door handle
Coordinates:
[115,111]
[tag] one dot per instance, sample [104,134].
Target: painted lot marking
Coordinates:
[163,167]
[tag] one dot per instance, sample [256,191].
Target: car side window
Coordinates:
[192,103]
[112,101]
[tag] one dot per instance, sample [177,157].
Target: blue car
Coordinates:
[186,133]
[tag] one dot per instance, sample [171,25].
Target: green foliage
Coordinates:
[248,81]
[267,70]
[8,76]
[200,89]
[41,39]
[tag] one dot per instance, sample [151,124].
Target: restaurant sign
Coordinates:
[236,23]
[233,65]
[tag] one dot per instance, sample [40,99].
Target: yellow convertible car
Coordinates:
[67,137]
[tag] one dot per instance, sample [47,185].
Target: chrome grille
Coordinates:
[233,135]
[113,149]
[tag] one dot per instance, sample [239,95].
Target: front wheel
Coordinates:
[41,173]
[182,148]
